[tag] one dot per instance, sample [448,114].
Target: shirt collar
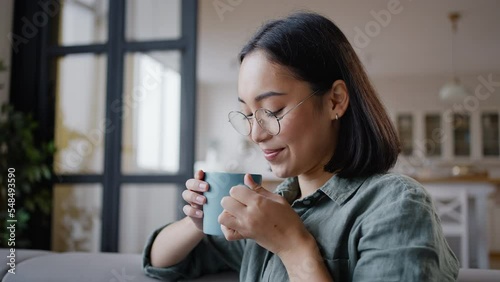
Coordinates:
[289,189]
[336,188]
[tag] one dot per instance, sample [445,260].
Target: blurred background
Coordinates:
[114,103]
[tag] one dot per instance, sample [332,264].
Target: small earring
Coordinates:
[336,117]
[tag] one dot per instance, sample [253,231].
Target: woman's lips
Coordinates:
[271,155]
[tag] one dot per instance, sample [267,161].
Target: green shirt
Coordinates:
[378,228]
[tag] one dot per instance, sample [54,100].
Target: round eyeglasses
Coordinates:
[266,119]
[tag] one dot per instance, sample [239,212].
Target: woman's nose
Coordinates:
[258,134]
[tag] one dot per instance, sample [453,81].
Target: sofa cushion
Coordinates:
[474,275]
[20,255]
[229,276]
[91,267]
[80,267]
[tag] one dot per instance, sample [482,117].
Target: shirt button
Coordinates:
[307,202]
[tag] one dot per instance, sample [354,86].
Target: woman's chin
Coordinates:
[280,172]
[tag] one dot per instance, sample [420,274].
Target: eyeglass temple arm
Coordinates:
[280,118]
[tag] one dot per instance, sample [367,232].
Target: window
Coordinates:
[152,126]
[123,76]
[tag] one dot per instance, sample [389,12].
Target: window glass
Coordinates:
[151,127]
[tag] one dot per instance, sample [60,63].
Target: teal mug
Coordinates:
[219,185]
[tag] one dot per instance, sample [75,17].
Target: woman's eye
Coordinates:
[270,114]
[277,112]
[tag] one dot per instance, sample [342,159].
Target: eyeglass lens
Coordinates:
[265,118]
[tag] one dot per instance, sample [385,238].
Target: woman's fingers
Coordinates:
[200,175]
[232,206]
[197,185]
[192,212]
[193,197]
[250,182]
[229,226]
[231,234]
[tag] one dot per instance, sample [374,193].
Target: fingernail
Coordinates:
[203,186]
[199,199]
[198,212]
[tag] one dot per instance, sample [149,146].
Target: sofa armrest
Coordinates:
[19,256]
[80,267]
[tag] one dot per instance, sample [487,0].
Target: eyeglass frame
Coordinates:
[278,119]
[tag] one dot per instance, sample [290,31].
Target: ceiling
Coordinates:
[415,42]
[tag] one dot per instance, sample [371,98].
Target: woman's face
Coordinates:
[308,134]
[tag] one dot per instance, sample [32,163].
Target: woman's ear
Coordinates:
[339,97]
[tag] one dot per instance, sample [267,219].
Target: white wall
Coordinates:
[6,13]
[402,94]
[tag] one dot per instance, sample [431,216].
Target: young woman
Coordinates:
[307,102]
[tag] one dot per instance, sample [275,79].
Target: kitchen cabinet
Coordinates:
[459,137]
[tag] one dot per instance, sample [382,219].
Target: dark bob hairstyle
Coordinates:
[315,50]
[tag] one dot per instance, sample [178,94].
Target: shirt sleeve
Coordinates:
[402,240]
[213,254]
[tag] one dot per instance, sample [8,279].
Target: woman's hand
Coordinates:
[262,216]
[194,196]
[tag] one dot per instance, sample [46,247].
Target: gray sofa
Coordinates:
[45,266]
